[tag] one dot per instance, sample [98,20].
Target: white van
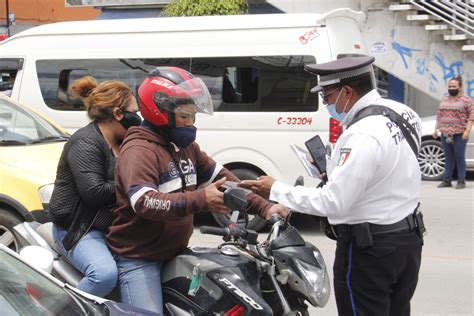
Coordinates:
[252,64]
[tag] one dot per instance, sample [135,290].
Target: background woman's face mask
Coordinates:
[453,92]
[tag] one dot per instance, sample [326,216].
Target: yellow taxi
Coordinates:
[30,147]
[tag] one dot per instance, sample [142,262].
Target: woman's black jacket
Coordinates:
[84,184]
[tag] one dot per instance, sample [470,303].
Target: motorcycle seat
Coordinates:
[46,231]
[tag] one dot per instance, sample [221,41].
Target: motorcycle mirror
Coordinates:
[236,198]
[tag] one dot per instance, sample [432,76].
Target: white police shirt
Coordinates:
[373,174]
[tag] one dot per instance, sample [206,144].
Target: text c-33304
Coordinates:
[294,120]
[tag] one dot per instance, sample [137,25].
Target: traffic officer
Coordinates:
[371,196]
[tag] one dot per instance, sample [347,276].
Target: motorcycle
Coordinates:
[241,276]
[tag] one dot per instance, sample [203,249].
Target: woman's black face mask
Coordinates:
[453,92]
[130,119]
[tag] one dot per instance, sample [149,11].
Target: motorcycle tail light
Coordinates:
[237,310]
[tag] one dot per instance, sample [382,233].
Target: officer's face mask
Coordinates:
[453,92]
[331,108]
[130,119]
[182,136]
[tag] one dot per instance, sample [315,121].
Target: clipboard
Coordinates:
[305,158]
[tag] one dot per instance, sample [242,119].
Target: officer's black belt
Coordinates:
[406,224]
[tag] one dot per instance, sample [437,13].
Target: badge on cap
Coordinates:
[345,152]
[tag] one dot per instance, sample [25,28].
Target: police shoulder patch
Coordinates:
[343,156]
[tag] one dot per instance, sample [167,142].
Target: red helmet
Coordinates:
[165,88]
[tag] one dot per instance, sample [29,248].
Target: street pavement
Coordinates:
[446,278]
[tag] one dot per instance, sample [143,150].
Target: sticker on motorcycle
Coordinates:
[240,293]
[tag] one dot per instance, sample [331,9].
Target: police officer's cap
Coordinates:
[334,71]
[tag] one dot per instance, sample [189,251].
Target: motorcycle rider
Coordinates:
[162,179]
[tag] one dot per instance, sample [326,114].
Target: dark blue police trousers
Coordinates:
[380,279]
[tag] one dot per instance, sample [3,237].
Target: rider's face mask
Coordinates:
[182,136]
[184,133]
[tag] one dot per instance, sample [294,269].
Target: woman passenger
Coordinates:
[84,193]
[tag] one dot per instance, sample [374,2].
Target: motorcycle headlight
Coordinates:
[45,193]
[316,279]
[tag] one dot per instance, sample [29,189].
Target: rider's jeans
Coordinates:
[93,258]
[140,283]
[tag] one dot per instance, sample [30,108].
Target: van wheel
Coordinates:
[431,160]
[255,222]
[8,237]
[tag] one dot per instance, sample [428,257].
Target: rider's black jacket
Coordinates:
[84,192]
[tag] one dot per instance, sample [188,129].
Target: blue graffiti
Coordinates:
[433,83]
[453,70]
[420,66]
[470,88]
[403,51]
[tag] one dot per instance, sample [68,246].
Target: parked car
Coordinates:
[30,147]
[431,156]
[28,290]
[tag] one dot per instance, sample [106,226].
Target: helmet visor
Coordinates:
[192,91]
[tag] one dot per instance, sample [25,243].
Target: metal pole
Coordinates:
[8,18]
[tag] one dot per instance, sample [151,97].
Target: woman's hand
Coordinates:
[435,134]
[465,135]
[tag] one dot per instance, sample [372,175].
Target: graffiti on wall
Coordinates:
[404,52]
[448,71]
[436,69]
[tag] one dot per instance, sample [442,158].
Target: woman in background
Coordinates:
[454,122]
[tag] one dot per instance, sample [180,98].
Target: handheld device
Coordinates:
[317,150]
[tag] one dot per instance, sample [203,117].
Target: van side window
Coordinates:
[260,83]
[7,79]
[9,68]
[236,84]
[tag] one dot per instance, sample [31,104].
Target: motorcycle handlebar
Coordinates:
[218,231]
[275,218]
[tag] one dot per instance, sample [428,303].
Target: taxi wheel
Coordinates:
[8,237]
[255,222]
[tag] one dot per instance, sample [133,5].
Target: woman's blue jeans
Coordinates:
[455,155]
[140,283]
[93,258]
